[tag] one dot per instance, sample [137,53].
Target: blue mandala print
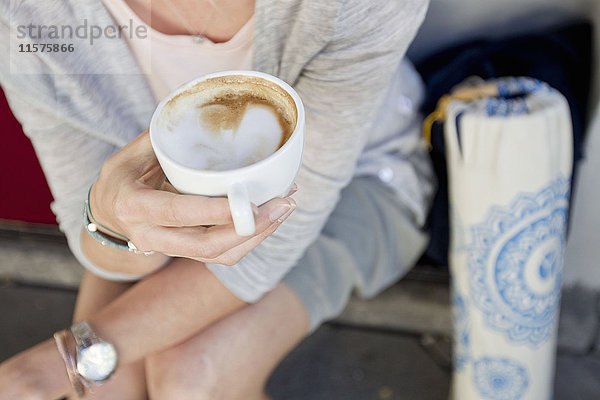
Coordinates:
[500,379]
[515,264]
[512,96]
[461,331]
[511,86]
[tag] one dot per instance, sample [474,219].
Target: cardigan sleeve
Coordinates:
[342,88]
[71,159]
[65,114]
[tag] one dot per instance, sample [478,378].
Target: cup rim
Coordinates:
[295,97]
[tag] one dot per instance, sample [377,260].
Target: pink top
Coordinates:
[171,60]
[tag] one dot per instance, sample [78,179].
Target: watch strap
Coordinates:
[83,333]
[77,382]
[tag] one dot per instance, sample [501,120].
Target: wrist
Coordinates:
[96,358]
[20,379]
[119,261]
[111,238]
[101,223]
[35,374]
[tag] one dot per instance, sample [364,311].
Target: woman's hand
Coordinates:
[37,373]
[132,197]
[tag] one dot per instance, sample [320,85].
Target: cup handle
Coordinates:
[241,209]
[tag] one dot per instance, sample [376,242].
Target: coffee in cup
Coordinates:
[227,122]
[238,134]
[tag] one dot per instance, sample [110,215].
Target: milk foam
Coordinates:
[194,144]
[225,122]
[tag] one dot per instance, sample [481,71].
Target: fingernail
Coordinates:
[293,190]
[281,211]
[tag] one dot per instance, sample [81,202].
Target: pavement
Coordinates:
[396,346]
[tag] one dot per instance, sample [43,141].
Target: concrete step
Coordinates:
[39,255]
[408,306]
[335,363]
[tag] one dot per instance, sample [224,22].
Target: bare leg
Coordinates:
[157,313]
[233,358]
[164,309]
[39,372]
[129,382]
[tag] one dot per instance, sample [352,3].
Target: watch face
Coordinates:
[97,362]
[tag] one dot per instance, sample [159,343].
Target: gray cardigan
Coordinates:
[343,58]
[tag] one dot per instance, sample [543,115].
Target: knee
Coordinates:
[168,378]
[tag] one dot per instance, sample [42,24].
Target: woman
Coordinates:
[210,314]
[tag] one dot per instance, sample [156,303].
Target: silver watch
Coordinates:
[96,358]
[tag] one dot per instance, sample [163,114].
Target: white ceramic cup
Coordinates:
[256,183]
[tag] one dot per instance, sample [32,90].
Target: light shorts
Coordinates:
[368,243]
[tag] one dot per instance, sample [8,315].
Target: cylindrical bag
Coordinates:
[509,169]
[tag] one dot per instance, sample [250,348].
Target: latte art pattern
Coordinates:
[226,124]
[226,143]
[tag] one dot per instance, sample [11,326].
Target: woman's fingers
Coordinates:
[167,187]
[171,209]
[232,256]
[133,158]
[209,243]
[293,190]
